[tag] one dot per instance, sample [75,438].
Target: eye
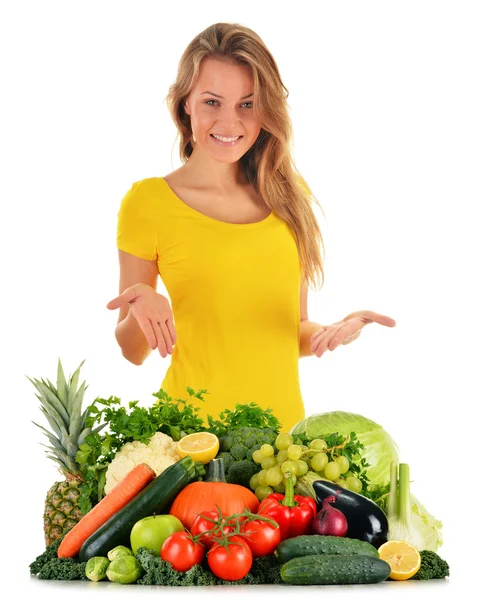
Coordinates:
[216,101]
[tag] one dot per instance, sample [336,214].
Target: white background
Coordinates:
[383,99]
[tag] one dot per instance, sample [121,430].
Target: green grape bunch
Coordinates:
[331,457]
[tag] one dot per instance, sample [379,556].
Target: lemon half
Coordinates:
[201,447]
[403,558]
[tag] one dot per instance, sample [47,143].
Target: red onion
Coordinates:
[329,520]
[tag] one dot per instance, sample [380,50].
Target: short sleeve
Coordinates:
[137,227]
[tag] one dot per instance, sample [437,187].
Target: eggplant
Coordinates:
[366,521]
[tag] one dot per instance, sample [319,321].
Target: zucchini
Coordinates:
[334,568]
[303,545]
[156,497]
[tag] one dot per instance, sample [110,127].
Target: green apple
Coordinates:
[152,532]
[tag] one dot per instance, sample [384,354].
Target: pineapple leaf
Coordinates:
[62,386]
[51,421]
[53,439]
[76,420]
[62,433]
[51,401]
[73,387]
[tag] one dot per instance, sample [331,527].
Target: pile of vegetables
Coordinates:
[315,505]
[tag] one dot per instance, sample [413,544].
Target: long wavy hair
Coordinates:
[268,164]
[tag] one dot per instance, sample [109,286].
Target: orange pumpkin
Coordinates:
[199,496]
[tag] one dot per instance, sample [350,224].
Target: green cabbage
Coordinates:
[380,449]
[430,528]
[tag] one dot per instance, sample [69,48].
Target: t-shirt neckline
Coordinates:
[269,217]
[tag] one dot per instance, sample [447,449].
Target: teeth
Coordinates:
[224,139]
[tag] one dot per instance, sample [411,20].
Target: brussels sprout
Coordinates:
[125,569]
[96,567]
[119,551]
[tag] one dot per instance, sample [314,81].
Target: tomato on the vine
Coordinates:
[182,551]
[231,562]
[262,537]
[203,525]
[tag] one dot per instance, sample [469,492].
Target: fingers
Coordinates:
[369,316]
[328,339]
[165,335]
[127,296]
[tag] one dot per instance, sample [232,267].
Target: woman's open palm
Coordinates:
[153,314]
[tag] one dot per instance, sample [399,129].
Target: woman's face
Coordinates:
[229,116]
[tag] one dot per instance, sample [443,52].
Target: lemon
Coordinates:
[403,558]
[201,447]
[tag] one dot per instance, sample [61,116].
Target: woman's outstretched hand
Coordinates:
[328,337]
[153,314]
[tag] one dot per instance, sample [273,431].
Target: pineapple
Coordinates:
[62,409]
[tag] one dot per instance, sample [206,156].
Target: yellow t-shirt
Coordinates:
[234,291]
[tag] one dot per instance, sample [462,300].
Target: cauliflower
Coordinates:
[159,453]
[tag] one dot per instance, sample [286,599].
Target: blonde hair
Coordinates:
[268,164]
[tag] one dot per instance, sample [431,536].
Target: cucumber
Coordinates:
[334,568]
[303,545]
[154,498]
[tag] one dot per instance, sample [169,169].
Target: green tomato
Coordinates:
[125,569]
[96,568]
[152,532]
[119,551]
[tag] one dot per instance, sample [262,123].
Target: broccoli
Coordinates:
[432,567]
[241,471]
[264,570]
[49,566]
[237,447]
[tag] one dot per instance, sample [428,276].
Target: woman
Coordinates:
[234,237]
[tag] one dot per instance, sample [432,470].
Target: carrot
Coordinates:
[119,496]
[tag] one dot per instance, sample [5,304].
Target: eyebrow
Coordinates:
[222,98]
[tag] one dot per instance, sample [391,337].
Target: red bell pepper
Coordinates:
[293,513]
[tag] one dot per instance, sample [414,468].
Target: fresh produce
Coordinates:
[304,545]
[118,551]
[201,447]
[172,417]
[329,520]
[399,511]
[334,457]
[159,453]
[432,566]
[236,449]
[96,568]
[48,566]
[404,559]
[154,498]
[124,569]
[182,551]
[262,536]
[365,520]
[264,570]
[151,532]
[208,521]
[293,513]
[334,569]
[230,559]
[379,447]
[207,495]
[119,496]
[244,415]
[61,406]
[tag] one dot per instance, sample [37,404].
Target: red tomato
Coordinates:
[181,551]
[201,525]
[230,563]
[262,537]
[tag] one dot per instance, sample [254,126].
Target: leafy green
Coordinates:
[432,566]
[264,570]
[379,448]
[244,415]
[48,566]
